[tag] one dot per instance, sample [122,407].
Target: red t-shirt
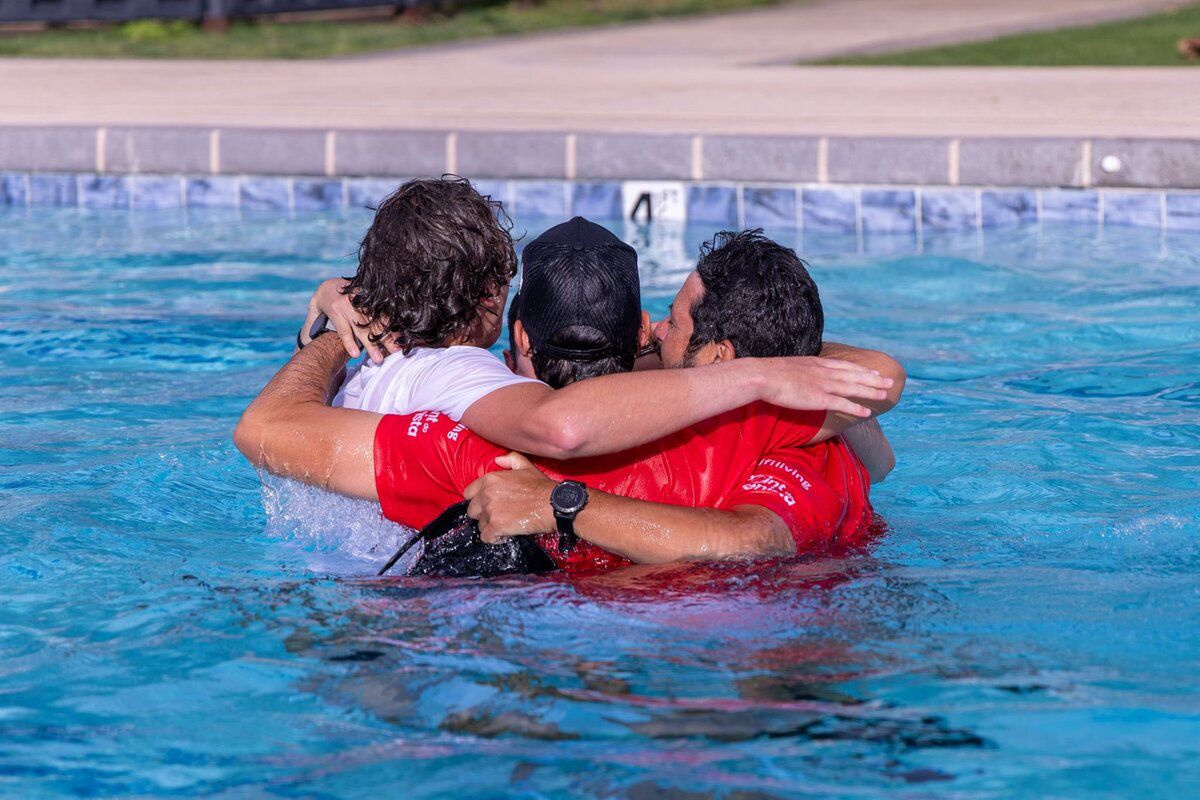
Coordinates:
[756,455]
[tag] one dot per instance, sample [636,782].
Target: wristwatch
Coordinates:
[567,499]
[320,325]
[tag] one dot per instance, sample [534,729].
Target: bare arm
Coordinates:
[869,443]
[836,421]
[616,412]
[517,501]
[290,431]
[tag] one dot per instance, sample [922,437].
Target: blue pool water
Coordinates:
[1027,628]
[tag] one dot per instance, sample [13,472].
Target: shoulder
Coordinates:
[786,426]
[430,432]
[462,363]
[472,356]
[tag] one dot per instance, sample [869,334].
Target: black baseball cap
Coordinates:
[579,273]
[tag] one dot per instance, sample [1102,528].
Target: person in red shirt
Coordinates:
[768,491]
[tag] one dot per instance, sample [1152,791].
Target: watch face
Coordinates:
[568,497]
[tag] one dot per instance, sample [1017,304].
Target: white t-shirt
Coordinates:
[445,379]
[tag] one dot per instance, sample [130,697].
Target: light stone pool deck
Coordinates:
[672,100]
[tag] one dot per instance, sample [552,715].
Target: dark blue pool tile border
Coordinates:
[156,191]
[832,209]
[770,207]
[866,211]
[950,209]
[999,208]
[1062,205]
[888,210]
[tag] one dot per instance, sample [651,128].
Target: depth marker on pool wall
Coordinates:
[452,153]
[330,151]
[101,140]
[214,153]
[570,144]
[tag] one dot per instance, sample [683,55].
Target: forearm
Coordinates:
[654,533]
[307,378]
[290,431]
[882,363]
[617,412]
[838,423]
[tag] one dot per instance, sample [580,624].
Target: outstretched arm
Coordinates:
[289,429]
[616,412]
[517,501]
[837,421]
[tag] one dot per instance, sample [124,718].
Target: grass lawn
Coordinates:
[151,39]
[1144,42]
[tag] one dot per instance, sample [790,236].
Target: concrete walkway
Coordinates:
[727,74]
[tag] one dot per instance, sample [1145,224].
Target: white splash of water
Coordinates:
[340,534]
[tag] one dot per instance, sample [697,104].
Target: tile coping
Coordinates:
[925,161]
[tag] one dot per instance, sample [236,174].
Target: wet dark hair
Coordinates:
[758,295]
[436,249]
[558,372]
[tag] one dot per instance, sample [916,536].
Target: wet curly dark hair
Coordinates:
[435,251]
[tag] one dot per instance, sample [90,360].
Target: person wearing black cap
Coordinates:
[579,310]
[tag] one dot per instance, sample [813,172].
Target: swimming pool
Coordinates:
[1026,628]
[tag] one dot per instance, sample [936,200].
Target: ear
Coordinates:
[645,331]
[523,345]
[724,351]
[493,303]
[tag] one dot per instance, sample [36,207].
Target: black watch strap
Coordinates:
[320,325]
[566,533]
